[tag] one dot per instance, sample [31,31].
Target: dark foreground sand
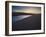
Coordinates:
[31,23]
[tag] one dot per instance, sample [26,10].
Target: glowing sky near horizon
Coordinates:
[26,9]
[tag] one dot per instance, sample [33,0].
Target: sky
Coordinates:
[26,9]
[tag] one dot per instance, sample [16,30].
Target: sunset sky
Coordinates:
[26,9]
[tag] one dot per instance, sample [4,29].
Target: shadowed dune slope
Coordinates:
[31,23]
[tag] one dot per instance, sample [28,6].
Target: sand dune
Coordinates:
[30,23]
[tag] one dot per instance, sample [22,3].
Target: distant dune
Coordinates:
[23,13]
